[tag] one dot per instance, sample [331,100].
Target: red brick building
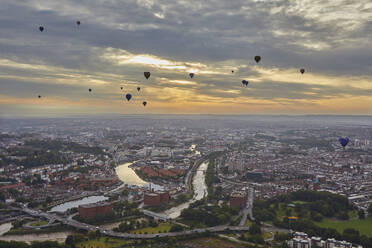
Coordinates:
[91,210]
[156,198]
[238,200]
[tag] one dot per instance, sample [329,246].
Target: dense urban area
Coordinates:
[186,181]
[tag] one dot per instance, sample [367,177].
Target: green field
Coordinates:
[40,223]
[363,226]
[161,227]
[102,242]
[211,242]
[248,222]
[267,235]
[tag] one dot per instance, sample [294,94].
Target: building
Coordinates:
[238,200]
[301,240]
[91,210]
[156,198]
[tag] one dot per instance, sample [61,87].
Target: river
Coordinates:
[128,176]
[200,191]
[74,204]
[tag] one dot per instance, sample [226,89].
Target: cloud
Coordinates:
[119,40]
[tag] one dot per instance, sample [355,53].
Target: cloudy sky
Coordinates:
[118,40]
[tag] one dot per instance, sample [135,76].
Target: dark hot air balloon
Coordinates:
[138,88]
[232,71]
[147,74]
[78,23]
[41,28]
[302,70]
[121,87]
[257,58]
[128,96]
[191,75]
[343,141]
[39,96]
[90,90]
[144,103]
[245,82]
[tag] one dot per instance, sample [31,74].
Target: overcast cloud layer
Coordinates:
[118,40]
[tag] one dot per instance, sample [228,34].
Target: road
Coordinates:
[87,227]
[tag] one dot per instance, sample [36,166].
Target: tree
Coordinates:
[343,215]
[91,234]
[370,209]
[48,199]
[254,229]
[70,240]
[284,245]
[176,228]
[361,214]
[98,233]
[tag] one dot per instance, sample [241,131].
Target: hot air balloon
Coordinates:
[78,22]
[39,96]
[128,96]
[121,87]
[232,71]
[344,141]
[138,88]
[245,82]
[191,75]
[147,74]
[90,90]
[144,103]
[302,70]
[41,28]
[257,58]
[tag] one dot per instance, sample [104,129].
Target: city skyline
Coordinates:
[118,41]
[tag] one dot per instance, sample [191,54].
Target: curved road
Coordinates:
[88,227]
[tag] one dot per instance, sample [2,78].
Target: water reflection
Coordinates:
[200,191]
[128,176]
[74,204]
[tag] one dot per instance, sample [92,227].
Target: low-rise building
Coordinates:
[238,200]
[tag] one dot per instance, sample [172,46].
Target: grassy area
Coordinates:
[353,214]
[211,242]
[40,223]
[363,226]
[161,227]
[281,212]
[191,223]
[267,235]
[298,202]
[103,242]
[248,222]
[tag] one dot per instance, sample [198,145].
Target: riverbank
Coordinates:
[74,204]
[199,190]
[29,238]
